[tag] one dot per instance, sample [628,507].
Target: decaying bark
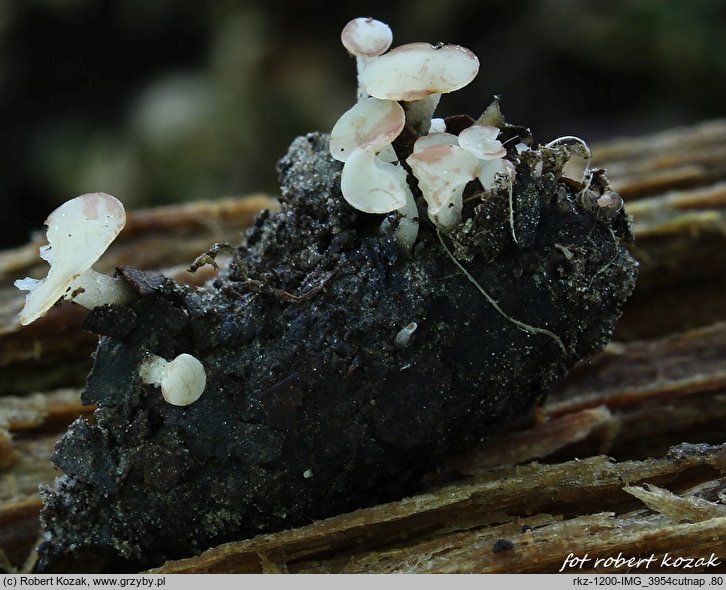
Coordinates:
[610,483]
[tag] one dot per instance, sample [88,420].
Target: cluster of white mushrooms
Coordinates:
[79,232]
[397,89]
[401,88]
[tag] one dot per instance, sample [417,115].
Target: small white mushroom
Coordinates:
[182,380]
[370,182]
[443,171]
[365,38]
[373,186]
[370,123]
[482,142]
[419,73]
[79,232]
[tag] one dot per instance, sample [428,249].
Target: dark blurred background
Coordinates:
[161,101]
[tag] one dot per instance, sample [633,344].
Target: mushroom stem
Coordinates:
[420,112]
[366,38]
[361,63]
[92,289]
[407,230]
[405,220]
[182,380]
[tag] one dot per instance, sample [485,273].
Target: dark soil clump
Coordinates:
[316,403]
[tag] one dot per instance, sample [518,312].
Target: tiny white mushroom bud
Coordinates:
[79,232]
[182,380]
[404,335]
[443,172]
[365,38]
[369,123]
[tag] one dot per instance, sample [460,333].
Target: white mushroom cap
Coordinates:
[414,71]
[369,123]
[443,171]
[183,381]
[79,231]
[371,185]
[366,37]
[481,140]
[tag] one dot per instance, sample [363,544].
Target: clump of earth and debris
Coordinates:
[344,359]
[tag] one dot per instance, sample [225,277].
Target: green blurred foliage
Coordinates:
[169,100]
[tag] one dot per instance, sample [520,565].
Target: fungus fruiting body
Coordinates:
[182,380]
[443,171]
[418,70]
[370,182]
[365,38]
[370,123]
[425,283]
[79,231]
[414,75]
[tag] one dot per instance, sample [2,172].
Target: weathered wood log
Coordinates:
[510,519]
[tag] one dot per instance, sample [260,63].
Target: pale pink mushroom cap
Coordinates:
[481,140]
[371,185]
[414,71]
[432,139]
[370,123]
[79,231]
[442,172]
[366,37]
